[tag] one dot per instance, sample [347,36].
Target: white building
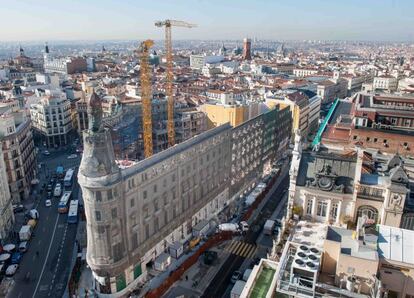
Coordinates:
[304,72]
[51,118]
[385,83]
[198,61]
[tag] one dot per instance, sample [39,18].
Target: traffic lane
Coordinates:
[221,280]
[57,269]
[63,266]
[31,262]
[48,269]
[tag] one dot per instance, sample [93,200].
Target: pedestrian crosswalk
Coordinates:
[241,248]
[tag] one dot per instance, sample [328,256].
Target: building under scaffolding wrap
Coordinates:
[136,212]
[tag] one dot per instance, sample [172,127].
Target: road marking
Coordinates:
[47,256]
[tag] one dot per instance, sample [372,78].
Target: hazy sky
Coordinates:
[217,19]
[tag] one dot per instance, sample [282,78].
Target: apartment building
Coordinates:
[18,150]
[304,105]
[385,83]
[304,72]
[51,118]
[6,212]
[68,65]
[134,214]
[331,89]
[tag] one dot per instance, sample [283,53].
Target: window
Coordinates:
[98,196]
[394,121]
[164,183]
[368,211]
[114,213]
[334,211]
[354,137]
[109,194]
[173,178]
[375,140]
[321,210]
[144,194]
[309,207]
[155,187]
[97,215]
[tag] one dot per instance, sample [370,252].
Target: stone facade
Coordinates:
[133,214]
[338,188]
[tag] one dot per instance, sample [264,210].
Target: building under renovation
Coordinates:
[135,213]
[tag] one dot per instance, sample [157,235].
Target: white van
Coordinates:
[58,190]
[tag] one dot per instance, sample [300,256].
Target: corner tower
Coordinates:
[100,179]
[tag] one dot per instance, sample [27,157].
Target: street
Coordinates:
[220,284]
[46,274]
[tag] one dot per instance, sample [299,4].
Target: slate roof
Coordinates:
[313,162]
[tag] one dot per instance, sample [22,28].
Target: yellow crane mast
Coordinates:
[146,95]
[169,82]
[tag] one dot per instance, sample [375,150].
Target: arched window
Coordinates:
[369,211]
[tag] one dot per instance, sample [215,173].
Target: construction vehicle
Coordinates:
[169,82]
[145,72]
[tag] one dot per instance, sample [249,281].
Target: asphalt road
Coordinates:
[221,281]
[46,274]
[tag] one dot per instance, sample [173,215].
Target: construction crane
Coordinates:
[169,82]
[146,95]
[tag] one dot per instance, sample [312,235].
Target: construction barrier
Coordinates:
[176,275]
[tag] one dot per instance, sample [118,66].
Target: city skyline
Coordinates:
[309,20]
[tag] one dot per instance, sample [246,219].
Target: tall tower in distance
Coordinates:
[247,45]
[46,53]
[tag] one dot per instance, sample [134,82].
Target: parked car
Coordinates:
[46,153]
[16,258]
[49,187]
[23,246]
[235,277]
[11,270]
[72,156]
[48,203]
[18,208]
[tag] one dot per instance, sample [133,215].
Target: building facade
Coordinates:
[6,212]
[18,152]
[134,214]
[51,118]
[338,188]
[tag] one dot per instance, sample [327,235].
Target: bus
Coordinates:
[64,202]
[73,211]
[67,182]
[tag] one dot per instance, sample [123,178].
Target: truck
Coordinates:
[268,227]
[237,289]
[25,233]
[233,227]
